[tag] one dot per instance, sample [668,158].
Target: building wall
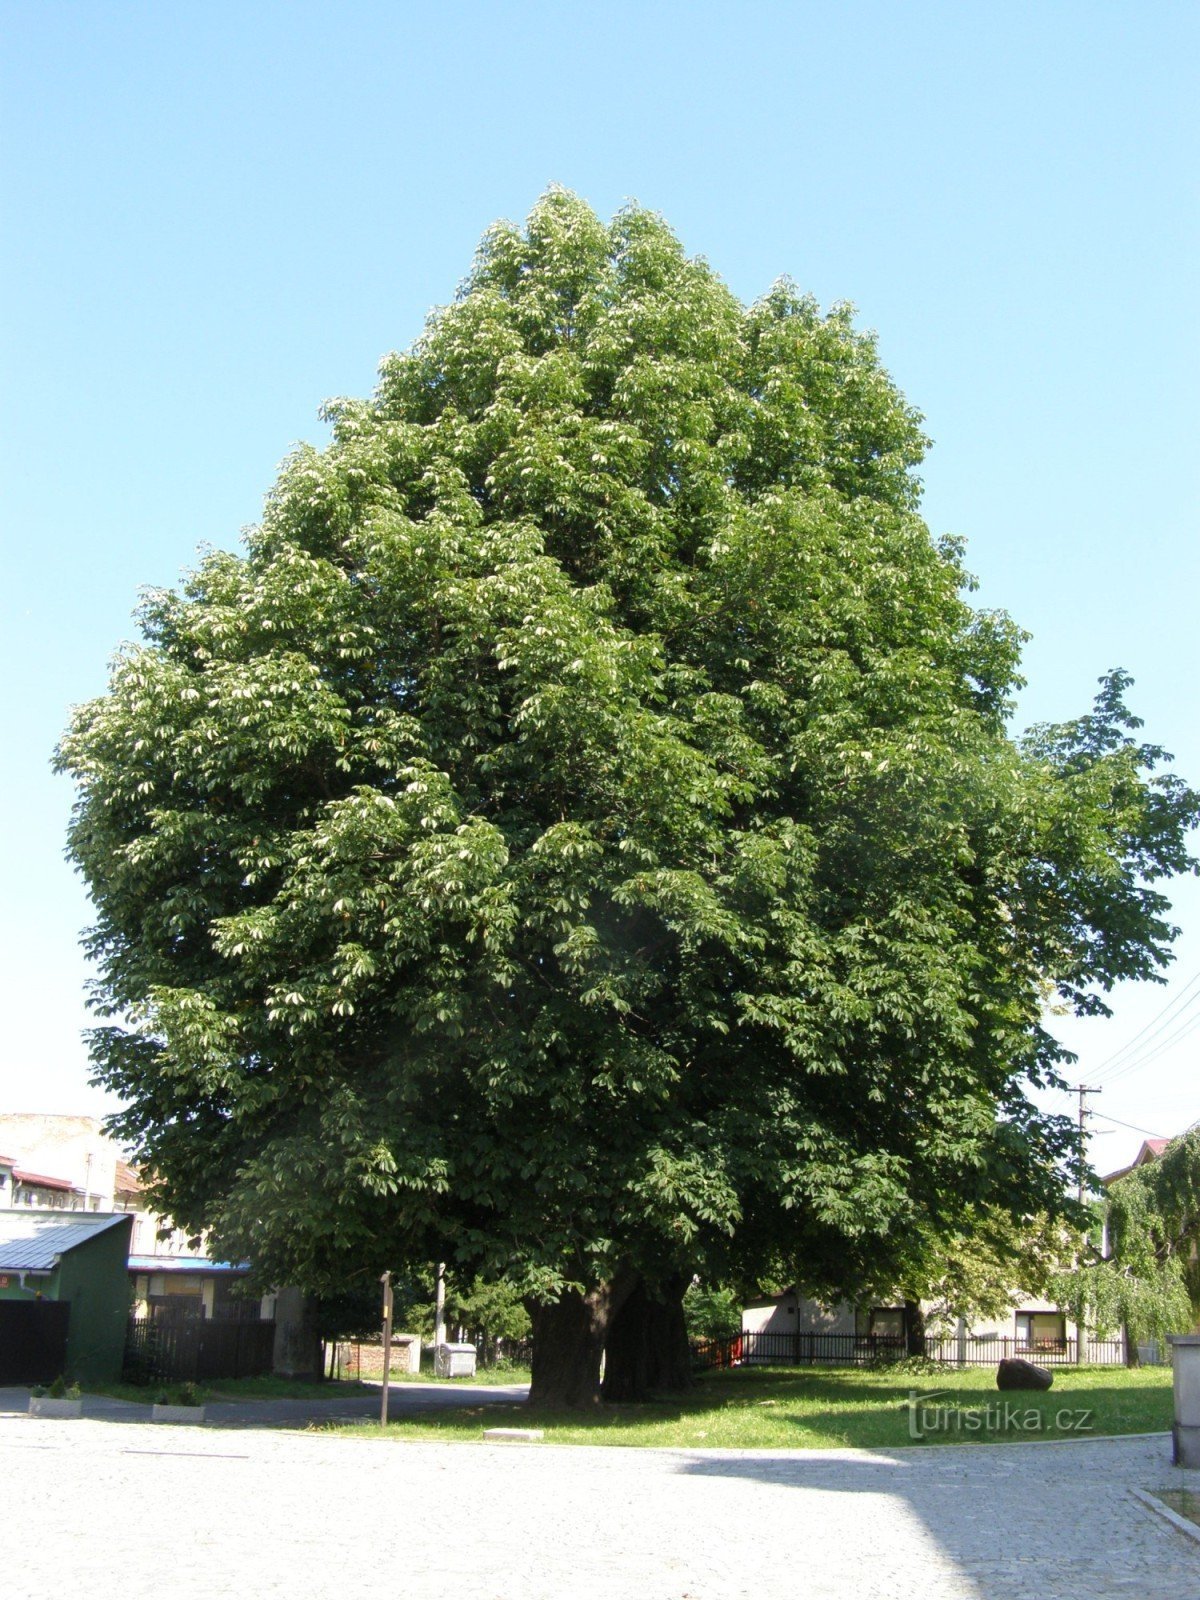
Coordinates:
[785,1315]
[10,1286]
[76,1148]
[93,1277]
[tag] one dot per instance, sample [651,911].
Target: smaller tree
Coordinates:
[712,1311]
[488,1311]
[976,1260]
[492,1313]
[352,1311]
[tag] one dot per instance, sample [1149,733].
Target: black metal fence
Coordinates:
[801,1349]
[798,1349]
[195,1349]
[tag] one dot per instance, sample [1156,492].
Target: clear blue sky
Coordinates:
[214,217]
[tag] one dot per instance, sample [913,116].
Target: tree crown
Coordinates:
[583,825]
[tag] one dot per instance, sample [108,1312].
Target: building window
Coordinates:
[1042,1330]
[887,1322]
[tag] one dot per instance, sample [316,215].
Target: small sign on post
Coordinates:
[387,1347]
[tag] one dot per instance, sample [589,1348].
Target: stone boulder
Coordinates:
[1014,1373]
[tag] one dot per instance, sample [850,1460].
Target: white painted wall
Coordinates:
[786,1315]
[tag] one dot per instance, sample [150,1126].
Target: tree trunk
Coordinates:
[914,1327]
[568,1341]
[647,1350]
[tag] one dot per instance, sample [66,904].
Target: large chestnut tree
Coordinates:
[581,838]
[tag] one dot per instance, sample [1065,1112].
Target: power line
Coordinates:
[1152,1051]
[1132,1126]
[1156,1051]
[1156,1023]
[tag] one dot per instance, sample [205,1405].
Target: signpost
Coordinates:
[387,1346]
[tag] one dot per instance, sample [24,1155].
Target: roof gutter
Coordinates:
[39,1274]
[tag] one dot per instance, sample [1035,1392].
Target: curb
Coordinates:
[1154,1505]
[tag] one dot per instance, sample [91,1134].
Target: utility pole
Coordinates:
[1082,1089]
[387,1347]
[439,1314]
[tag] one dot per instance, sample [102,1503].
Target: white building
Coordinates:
[70,1164]
[1032,1326]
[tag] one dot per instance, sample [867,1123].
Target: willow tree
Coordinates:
[579,836]
[1146,1285]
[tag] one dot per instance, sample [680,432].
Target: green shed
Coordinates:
[75,1258]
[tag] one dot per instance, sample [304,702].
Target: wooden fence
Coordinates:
[195,1350]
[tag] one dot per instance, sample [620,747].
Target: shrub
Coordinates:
[179,1394]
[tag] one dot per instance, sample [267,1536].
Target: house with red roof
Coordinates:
[1150,1151]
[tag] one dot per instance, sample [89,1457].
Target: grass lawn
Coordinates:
[1184,1501]
[773,1408]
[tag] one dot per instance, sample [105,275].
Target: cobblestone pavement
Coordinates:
[94,1509]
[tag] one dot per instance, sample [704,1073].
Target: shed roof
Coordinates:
[185,1264]
[33,1240]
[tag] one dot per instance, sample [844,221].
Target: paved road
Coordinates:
[93,1509]
[404,1399]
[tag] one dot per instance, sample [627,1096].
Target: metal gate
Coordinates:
[33,1340]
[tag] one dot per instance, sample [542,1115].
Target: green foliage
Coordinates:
[582,827]
[712,1311]
[980,1264]
[354,1310]
[1170,1206]
[491,1310]
[487,1310]
[1109,1296]
[1150,1281]
[179,1394]
[60,1389]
